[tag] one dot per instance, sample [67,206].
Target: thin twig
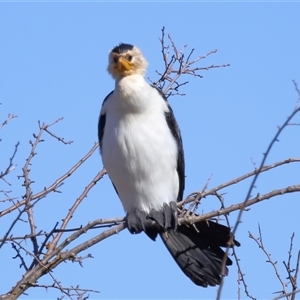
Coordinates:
[177,65]
[252,185]
[9,117]
[45,128]
[10,166]
[74,207]
[259,242]
[55,184]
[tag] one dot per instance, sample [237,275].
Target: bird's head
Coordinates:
[125,60]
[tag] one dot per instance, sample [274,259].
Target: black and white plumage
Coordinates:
[142,151]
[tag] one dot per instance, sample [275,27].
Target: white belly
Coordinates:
[140,156]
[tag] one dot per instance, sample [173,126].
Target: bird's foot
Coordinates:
[167,217]
[137,221]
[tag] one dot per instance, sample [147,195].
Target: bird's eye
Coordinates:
[115,60]
[129,57]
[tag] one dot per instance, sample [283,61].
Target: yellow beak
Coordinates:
[123,64]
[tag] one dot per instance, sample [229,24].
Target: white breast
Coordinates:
[138,149]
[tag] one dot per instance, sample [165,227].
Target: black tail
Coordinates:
[198,252]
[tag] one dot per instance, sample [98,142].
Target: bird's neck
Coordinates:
[129,86]
[132,93]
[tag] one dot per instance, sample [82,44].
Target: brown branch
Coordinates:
[46,265]
[297,90]
[53,259]
[252,185]
[74,207]
[241,275]
[297,268]
[9,117]
[288,265]
[260,244]
[14,222]
[104,223]
[53,186]
[290,271]
[44,244]
[195,196]
[242,205]
[46,126]
[23,237]
[66,290]
[287,295]
[23,263]
[10,166]
[177,65]
[28,193]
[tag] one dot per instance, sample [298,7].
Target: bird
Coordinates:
[142,151]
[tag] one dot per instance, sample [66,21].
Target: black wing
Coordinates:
[101,127]
[101,124]
[172,123]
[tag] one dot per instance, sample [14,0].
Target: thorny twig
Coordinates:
[290,271]
[259,242]
[74,207]
[66,290]
[252,185]
[23,263]
[57,256]
[27,181]
[292,278]
[9,117]
[10,166]
[45,127]
[241,275]
[53,187]
[176,66]
[287,295]
[194,197]
[30,200]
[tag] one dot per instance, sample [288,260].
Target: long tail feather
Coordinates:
[197,251]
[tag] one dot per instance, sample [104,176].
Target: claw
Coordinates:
[158,216]
[174,213]
[167,217]
[167,210]
[137,221]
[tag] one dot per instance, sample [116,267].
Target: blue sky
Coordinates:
[53,59]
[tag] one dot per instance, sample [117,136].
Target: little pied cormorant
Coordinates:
[141,148]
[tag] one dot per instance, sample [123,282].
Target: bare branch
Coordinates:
[287,295]
[46,265]
[45,128]
[260,244]
[10,166]
[23,264]
[252,185]
[290,271]
[196,196]
[275,139]
[9,117]
[297,269]
[55,185]
[75,205]
[177,65]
